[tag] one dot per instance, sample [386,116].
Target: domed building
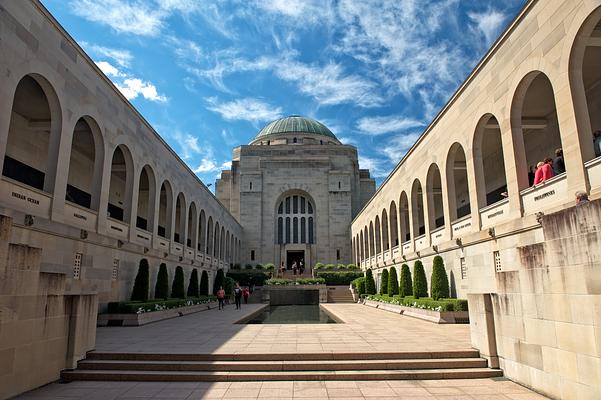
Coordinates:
[295,190]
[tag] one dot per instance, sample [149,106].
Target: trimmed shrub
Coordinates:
[319,266]
[393,282]
[339,277]
[406,286]
[269,267]
[341,266]
[420,284]
[193,285]
[384,282]
[259,266]
[140,291]
[204,283]
[425,302]
[359,285]
[161,288]
[219,281]
[248,278]
[134,307]
[352,266]
[330,266]
[286,282]
[439,282]
[177,287]
[228,286]
[370,284]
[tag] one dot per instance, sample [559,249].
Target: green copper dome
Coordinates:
[295,124]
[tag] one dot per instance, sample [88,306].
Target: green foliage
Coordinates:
[177,287]
[259,266]
[384,282]
[228,286]
[406,286]
[140,290]
[341,266]
[134,307]
[161,288]
[319,266]
[370,283]
[268,267]
[420,284]
[393,283]
[330,266]
[219,281]
[193,284]
[204,283]
[359,284]
[287,282]
[439,281]
[352,266]
[424,303]
[339,277]
[248,278]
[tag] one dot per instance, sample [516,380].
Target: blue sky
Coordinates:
[209,74]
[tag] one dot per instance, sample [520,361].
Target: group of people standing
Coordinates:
[239,293]
[296,268]
[547,169]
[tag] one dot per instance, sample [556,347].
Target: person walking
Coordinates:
[245,294]
[294,268]
[221,297]
[238,295]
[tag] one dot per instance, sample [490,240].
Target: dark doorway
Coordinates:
[292,256]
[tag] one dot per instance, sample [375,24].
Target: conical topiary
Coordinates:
[140,291]
[440,281]
[177,289]
[406,286]
[204,283]
[420,284]
[219,281]
[384,282]
[370,284]
[193,284]
[161,288]
[393,283]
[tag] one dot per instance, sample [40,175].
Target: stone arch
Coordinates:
[210,238]
[394,225]
[165,210]
[294,220]
[434,192]
[121,184]
[457,183]
[146,196]
[385,236]
[489,162]
[202,231]
[417,209]
[191,235]
[404,217]
[180,218]
[378,235]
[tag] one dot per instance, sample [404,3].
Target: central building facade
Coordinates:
[295,190]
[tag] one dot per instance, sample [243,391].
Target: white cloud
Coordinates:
[489,23]
[381,125]
[187,144]
[134,87]
[248,109]
[207,164]
[109,69]
[398,146]
[121,57]
[377,167]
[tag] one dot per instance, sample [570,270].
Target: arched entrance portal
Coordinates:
[295,230]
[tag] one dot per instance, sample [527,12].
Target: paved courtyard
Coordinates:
[365,330]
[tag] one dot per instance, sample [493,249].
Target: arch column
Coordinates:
[411,217]
[446,203]
[63,146]
[7,91]
[473,193]
[104,191]
[514,157]
[135,192]
[426,210]
[156,205]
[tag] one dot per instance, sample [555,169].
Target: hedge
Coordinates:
[439,281]
[134,307]
[384,282]
[161,288]
[339,277]
[140,290]
[406,286]
[393,282]
[352,266]
[193,285]
[204,284]
[177,288]
[420,284]
[287,282]
[248,278]
[359,285]
[424,303]
[219,281]
[228,286]
[370,284]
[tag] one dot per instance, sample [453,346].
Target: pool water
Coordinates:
[293,314]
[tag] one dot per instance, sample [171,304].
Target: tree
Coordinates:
[204,283]
[370,284]
[177,288]
[393,283]
[420,284]
[384,282]
[439,281]
[161,288]
[219,281]
[140,291]
[193,284]
[406,287]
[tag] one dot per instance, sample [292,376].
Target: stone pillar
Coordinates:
[482,327]
[473,189]
[514,158]
[82,327]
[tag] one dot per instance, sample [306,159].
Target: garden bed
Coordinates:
[446,311]
[137,314]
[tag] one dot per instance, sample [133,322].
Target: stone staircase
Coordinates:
[339,294]
[100,366]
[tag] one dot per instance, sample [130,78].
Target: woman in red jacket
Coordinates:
[544,171]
